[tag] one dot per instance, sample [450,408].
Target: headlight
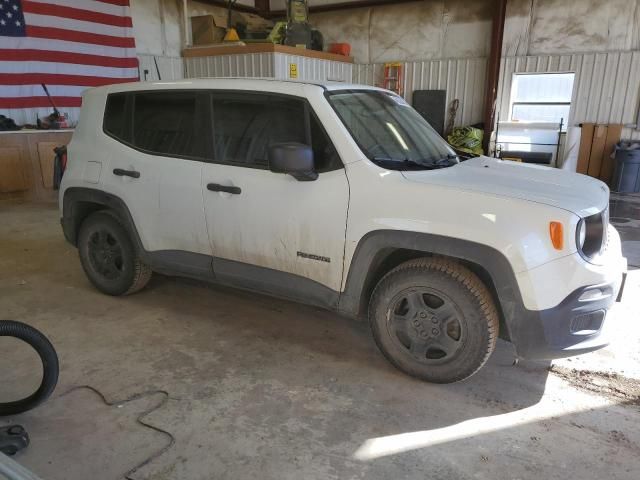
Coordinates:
[591,234]
[581,234]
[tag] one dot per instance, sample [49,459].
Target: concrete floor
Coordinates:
[262,388]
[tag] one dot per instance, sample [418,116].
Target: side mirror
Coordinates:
[295,159]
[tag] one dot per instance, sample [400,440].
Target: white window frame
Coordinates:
[513,102]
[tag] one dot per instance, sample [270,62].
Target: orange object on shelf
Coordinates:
[340,49]
[393,78]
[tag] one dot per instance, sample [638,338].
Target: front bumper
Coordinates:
[575,326]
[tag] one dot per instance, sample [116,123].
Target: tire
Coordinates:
[108,256]
[49,360]
[434,319]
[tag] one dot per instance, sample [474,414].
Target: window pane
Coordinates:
[386,128]
[238,125]
[166,123]
[545,87]
[245,127]
[540,113]
[325,156]
[287,122]
[114,115]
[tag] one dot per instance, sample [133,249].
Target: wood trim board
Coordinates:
[597,144]
[217,50]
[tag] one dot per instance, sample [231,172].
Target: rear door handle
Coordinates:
[214,187]
[126,173]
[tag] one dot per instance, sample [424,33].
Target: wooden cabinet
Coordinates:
[26,163]
[12,174]
[597,143]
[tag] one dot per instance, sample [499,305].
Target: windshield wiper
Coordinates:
[406,164]
[444,162]
[399,163]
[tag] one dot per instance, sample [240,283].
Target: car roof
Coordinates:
[237,83]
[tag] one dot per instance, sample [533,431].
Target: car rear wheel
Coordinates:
[108,256]
[434,319]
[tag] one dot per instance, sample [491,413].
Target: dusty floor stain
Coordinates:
[609,384]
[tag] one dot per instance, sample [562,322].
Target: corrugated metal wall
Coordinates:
[463,79]
[171,68]
[247,65]
[268,65]
[630,134]
[606,86]
[312,69]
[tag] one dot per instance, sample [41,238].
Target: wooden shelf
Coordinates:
[217,50]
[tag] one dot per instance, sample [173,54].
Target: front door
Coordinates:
[270,231]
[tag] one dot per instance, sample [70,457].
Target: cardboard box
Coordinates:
[205,31]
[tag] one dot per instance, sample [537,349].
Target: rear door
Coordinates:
[156,169]
[270,231]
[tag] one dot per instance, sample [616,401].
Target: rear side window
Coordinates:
[114,115]
[245,126]
[168,123]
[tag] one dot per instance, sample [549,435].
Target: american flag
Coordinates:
[68,45]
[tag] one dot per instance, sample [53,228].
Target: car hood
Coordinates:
[576,193]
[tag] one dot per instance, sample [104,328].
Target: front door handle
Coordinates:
[126,173]
[214,187]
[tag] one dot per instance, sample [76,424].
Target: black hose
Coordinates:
[50,367]
[163,399]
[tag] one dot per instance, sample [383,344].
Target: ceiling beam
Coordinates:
[343,6]
[262,6]
[238,7]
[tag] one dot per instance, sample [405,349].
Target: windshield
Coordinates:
[390,132]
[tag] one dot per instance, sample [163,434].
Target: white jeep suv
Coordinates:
[343,197]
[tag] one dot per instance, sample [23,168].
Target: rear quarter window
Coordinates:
[114,122]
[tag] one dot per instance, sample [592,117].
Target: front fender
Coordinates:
[376,245]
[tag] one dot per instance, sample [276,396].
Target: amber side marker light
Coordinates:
[556,232]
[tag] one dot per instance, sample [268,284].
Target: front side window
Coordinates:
[239,123]
[245,126]
[168,123]
[389,131]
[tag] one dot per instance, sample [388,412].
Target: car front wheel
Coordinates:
[434,319]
